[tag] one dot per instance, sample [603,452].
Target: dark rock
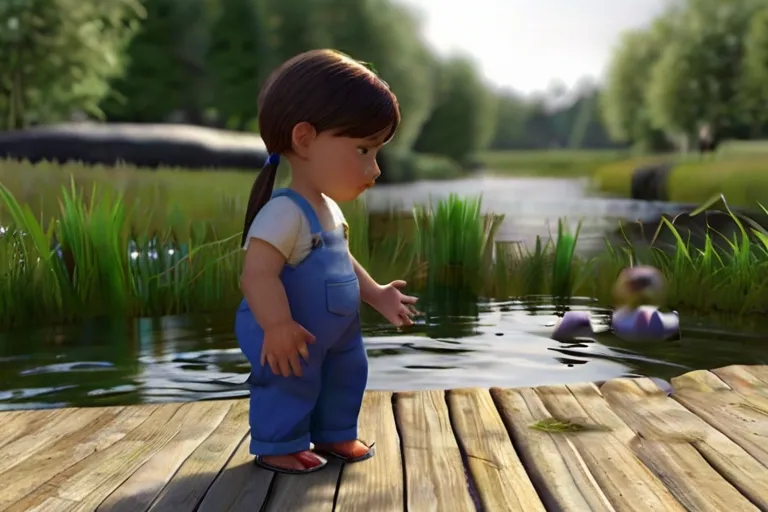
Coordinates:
[649,183]
[142,145]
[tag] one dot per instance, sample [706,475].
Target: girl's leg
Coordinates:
[279,429]
[280,407]
[334,420]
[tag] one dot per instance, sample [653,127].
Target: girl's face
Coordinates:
[345,167]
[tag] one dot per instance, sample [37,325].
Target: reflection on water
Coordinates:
[458,343]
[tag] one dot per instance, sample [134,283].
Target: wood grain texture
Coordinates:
[377,483]
[140,489]
[434,470]
[198,472]
[553,463]
[99,474]
[501,479]
[743,418]
[625,480]
[702,448]
[111,426]
[686,453]
[240,485]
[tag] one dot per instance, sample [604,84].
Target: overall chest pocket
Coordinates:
[343,296]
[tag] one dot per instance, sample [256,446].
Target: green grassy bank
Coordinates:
[739,171]
[564,163]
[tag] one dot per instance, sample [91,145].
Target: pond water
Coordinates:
[455,344]
[459,342]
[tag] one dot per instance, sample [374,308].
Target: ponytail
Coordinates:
[261,192]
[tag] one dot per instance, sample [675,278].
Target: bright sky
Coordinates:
[526,44]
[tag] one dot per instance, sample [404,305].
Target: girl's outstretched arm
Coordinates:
[369,288]
[387,299]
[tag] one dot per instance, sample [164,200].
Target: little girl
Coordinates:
[299,323]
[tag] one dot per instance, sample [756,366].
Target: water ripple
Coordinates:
[502,344]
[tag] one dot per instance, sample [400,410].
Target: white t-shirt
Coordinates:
[281,223]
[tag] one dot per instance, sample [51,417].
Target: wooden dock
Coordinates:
[704,448]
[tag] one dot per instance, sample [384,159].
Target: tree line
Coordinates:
[202,61]
[700,65]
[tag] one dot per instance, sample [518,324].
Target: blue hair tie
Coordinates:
[273,159]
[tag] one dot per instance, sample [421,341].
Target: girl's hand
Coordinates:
[393,305]
[283,344]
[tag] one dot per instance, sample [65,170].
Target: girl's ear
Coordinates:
[302,137]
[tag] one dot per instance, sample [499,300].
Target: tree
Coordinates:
[388,36]
[696,80]
[754,77]
[623,102]
[464,119]
[236,62]
[160,76]
[510,125]
[59,55]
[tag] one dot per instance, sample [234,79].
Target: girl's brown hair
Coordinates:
[328,90]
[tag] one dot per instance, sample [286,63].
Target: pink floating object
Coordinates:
[574,324]
[645,323]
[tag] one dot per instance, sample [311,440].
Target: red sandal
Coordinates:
[349,460]
[301,456]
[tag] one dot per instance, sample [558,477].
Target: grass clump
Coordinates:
[456,240]
[92,260]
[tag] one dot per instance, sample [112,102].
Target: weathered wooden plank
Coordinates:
[742,418]
[375,484]
[240,485]
[52,504]
[500,477]
[307,493]
[111,426]
[552,462]
[435,476]
[22,423]
[198,472]
[95,477]
[144,485]
[60,426]
[627,483]
[760,372]
[707,444]
[741,379]
[686,453]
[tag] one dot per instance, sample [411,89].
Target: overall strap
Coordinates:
[306,208]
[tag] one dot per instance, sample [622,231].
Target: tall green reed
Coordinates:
[456,240]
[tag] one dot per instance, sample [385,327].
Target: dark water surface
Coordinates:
[460,344]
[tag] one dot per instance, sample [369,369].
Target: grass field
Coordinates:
[159,200]
[739,171]
[550,163]
[79,243]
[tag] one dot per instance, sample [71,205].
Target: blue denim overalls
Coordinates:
[322,405]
